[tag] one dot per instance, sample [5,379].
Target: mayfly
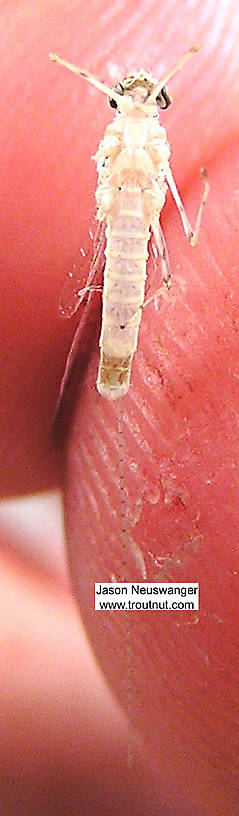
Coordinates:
[134,174]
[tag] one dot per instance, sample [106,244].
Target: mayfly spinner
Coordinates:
[134,173]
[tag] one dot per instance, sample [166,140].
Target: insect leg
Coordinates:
[161,247]
[174,70]
[72,294]
[85,75]
[191,234]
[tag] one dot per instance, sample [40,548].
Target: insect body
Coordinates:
[134,173]
[132,163]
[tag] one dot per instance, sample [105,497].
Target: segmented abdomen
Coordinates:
[123,295]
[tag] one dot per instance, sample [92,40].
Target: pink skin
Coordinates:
[180,421]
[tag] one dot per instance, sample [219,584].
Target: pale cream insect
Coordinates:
[134,173]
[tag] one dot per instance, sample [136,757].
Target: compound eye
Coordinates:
[163,99]
[119,90]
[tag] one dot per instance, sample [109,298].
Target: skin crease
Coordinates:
[51,123]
